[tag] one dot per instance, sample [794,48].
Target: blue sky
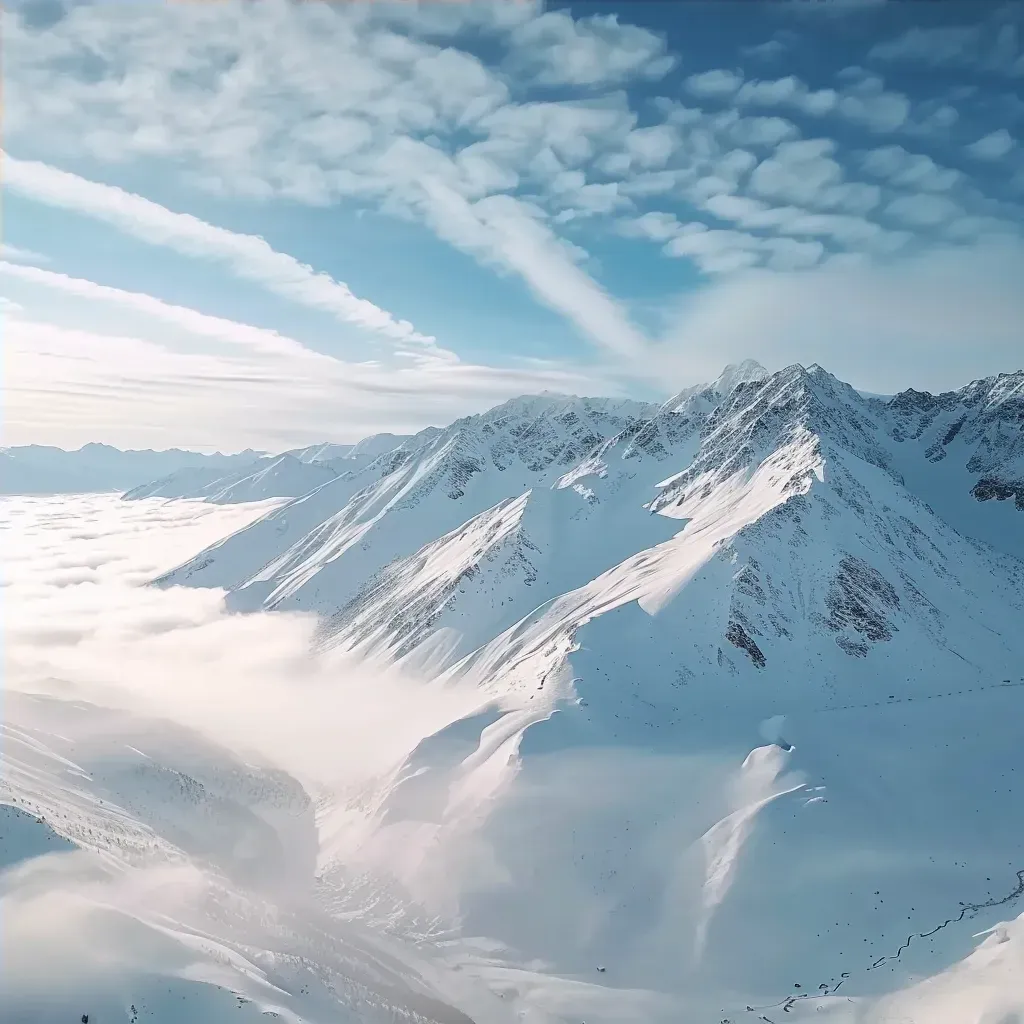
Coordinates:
[269,224]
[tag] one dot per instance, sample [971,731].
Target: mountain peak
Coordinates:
[738,373]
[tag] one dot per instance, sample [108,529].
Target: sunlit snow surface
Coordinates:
[204,821]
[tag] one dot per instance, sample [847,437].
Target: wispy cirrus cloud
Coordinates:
[370,111]
[246,256]
[17,254]
[257,388]
[258,339]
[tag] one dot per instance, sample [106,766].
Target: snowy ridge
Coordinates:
[745,682]
[406,498]
[283,476]
[804,574]
[983,419]
[797,459]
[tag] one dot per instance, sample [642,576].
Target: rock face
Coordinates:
[984,420]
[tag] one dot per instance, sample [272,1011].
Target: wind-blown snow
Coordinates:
[704,711]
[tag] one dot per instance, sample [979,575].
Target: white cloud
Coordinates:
[654,225]
[909,170]
[788,91]
[375,111]
[866,102]
[65,386]
[17,254]
[850,231]
[179,656]
[574,132]
[556,49]
[932,120]
[805,173]
[246,256]
[506,231]
[224,87]
[982,46]
[953,44]
[229,331]
[652,147]
[993,146]
[718,251]
[135,370]
[715,251]
[979,228]
[793,254]
[889,325]
[923,210]
[772,49]
[718,83]
[653,183]
[761,131]
[314,102]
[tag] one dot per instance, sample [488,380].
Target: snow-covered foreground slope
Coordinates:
[706,712]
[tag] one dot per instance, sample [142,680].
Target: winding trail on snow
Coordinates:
[788,1002]
[966,908]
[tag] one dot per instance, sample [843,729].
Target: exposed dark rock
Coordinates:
[738,637]
[858,598]
[987,488]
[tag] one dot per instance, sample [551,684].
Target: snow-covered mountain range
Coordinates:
[176,473]
[548,492]
[288,475]
[42,469]
[747,672]
[621,577]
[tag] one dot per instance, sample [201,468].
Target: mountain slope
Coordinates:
[963,453]
[404,499]
[749,667]
[281,476]
[804,581]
